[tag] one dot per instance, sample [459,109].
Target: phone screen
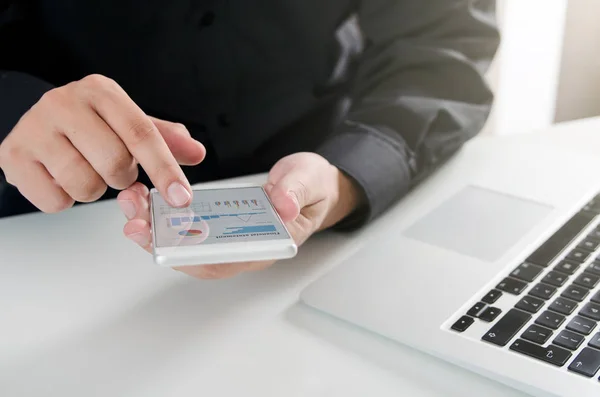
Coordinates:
[217,216]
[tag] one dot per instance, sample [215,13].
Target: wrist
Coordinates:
[349,198]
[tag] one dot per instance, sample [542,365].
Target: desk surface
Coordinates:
[85,313]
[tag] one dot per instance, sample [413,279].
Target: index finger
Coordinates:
[142,139]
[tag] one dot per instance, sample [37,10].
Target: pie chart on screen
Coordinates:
[191,233]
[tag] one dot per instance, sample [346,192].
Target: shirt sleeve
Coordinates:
[18,93]
[420,95]
[18,90]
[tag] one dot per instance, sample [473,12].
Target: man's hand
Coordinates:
[87,135]
[309,194]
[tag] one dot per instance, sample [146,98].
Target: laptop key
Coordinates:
[578,255]
[490,314]
[563,306]
[594,267]
[576,293]
[550,319]
[595,234]
[492,296]
[526,272]
[567,267]
[463,323]
[512,286]
[530,304]
[596,298]
[595,341]
[589,244]
[543,291]
[587,363]
[476,309]
[507,327]
[537,334]
[587,280]
[552,247]
[591,310]
[552,354]
[569,340]
[582,325]
[555,278]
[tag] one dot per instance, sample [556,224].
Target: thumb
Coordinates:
[185,149]
[292,192]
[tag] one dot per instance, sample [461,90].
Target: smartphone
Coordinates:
[237,223]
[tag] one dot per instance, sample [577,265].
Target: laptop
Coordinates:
[492,263]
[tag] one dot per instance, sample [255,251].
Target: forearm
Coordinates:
[420,96]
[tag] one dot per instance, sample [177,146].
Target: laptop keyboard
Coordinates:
[557,312]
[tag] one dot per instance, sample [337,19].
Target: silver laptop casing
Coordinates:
[415,272]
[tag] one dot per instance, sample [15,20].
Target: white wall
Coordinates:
[579,80]
[526,70]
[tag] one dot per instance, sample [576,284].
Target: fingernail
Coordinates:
[178,195]
[141,239]
[128,208]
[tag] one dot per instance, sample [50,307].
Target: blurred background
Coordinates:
[547,69]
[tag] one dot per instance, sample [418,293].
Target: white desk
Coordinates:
[105,321]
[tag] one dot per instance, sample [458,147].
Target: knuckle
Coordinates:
[300,192]
[90,189]
[96,88]
[98,81]
[56,97]
[140,130]
[181,128]
[57,203]
[10,153]
[121,170]
[81,181]
[51,95]
[68,165]
[167,171]
[128,179]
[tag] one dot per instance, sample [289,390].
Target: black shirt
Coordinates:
[386,90]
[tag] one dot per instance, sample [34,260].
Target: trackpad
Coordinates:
[479,222]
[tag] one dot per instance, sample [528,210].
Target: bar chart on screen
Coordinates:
[242,217]
[250,229]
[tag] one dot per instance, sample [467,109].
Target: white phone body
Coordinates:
[236,223]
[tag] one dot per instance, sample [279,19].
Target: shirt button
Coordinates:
[207,19]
